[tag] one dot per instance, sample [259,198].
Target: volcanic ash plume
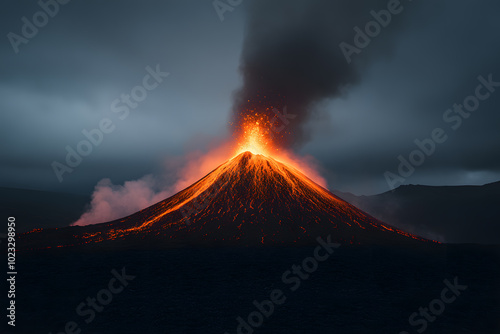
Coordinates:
[291,57]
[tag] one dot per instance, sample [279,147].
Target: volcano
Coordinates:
[250,199]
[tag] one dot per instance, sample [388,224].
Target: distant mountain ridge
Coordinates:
[457,214]
[465,214]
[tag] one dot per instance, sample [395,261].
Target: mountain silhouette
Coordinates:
[250,199]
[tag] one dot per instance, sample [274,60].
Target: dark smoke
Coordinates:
[291,57]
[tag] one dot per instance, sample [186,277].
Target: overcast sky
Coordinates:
[65,78]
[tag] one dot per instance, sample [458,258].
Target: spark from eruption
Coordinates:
[255,136]
[258,132]
[258,136]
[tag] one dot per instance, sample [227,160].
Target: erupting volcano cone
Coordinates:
[249,200]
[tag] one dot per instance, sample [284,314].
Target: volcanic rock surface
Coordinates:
[249,200]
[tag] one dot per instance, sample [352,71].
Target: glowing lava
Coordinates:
[259,196]
[255,137]
[259,136]
[250,199]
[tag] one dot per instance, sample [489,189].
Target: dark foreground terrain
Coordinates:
[355,290]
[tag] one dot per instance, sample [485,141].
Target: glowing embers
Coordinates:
[256,135]
[250,199]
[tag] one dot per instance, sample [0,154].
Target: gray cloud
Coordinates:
[66,77]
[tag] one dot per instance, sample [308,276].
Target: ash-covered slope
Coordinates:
[249,200]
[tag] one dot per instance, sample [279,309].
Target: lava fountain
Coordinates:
[257,197]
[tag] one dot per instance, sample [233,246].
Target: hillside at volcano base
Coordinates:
[249,200]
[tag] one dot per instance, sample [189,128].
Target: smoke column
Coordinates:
[291,57]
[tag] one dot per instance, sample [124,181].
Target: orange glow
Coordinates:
[264,180]
[196,165]
[261,168]
[248,197]
[249,189]
[257,137]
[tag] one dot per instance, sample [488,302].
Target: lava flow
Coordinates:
[250,199]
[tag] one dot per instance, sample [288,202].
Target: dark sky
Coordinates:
[396,90]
